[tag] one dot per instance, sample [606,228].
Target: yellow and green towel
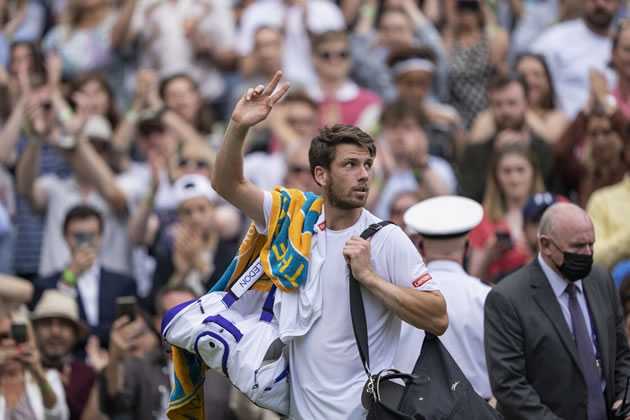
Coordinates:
[284,253]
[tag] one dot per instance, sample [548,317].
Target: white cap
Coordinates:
[98,127]
[444,217]
[192,186]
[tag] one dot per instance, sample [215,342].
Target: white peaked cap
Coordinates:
[443,217]
[192,186]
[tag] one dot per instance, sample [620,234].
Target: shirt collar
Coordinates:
[348,92]
[445,265]
[558,284]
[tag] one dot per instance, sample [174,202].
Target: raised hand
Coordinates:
[54,69]
[257,103]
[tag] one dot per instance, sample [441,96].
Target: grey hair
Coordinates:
[547,224]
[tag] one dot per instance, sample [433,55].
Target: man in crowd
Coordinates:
[341,160]
[410,166]
[508,103]
[575,47]
[554,330]
[443,224]
[532,213]
[94,287]
[57,329]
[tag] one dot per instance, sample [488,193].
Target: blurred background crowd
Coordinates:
[111,113]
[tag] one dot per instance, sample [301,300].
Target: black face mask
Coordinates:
[575,266]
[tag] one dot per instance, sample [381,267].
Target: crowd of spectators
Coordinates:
[111,113]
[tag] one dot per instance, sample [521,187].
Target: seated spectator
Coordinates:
[94,184]
[340,100]
[406,163]
[191,251]
[138,384]
[398,27]
[27,390]
[295,118]
[609,208]
[413,70]
[267,54]
[34,102]
[196,38]
[94,287]
[498,243]
[477,48]
[400,204]
[57,329]
[179,110]
[86,40]
[590,49]
[543,117]
[298,171]
[532,213]
[604,129]
[20,21]
[508,104]
[621,64]
[96,86]
[299,21]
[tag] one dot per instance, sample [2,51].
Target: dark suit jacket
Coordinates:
[472,168]
[111,286]
[532,359]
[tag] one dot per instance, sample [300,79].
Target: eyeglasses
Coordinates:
[297,170]
[199,164]
[329,55]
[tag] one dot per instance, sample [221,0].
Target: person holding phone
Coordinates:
[85,279]
[498,243]
[27,390]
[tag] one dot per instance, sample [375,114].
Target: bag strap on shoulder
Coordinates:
[357,310]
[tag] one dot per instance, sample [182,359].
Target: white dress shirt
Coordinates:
[88,285]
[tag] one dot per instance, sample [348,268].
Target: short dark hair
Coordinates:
[165,290]
[319,39]
[300,96]
[502,80]
[401,109]
[323,147]
[405,53]
[82,212]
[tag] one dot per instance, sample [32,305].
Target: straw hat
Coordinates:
[55,304]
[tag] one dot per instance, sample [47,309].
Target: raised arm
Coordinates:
[228,179]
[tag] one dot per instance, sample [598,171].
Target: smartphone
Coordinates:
[504,237]
[127,305]
[18,332]
[84,238]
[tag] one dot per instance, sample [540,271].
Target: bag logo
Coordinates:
[422,280]
[247,280]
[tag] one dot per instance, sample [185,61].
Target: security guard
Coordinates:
[443,224]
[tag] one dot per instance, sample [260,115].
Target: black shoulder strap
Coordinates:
[357,310]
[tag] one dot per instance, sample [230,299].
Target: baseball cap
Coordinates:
[538,203]
[193,186]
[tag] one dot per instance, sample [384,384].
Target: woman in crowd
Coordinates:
[181,95]
[97,86]
[498,244]
[27,390]
[601,129]
[543,117]
[85,41]
[477,48]
[621,63]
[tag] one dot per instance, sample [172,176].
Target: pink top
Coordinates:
[622,102]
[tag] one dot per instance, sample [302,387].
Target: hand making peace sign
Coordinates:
[257,102]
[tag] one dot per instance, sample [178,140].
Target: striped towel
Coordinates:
[284,253]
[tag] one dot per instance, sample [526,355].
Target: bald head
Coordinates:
[444,249]
[561,218]
[564,229]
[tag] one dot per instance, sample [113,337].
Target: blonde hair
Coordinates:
[494,200]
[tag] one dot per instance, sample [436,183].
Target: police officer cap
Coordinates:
[444,217]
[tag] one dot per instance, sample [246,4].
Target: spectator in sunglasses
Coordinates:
[299,173]
[340,100]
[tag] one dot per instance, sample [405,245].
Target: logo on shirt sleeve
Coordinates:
[422,280]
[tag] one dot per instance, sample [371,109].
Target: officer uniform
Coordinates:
[442,218]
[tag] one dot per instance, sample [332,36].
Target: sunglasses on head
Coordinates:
[329,55]
[200,164]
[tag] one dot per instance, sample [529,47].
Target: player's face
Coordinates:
[348,180]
